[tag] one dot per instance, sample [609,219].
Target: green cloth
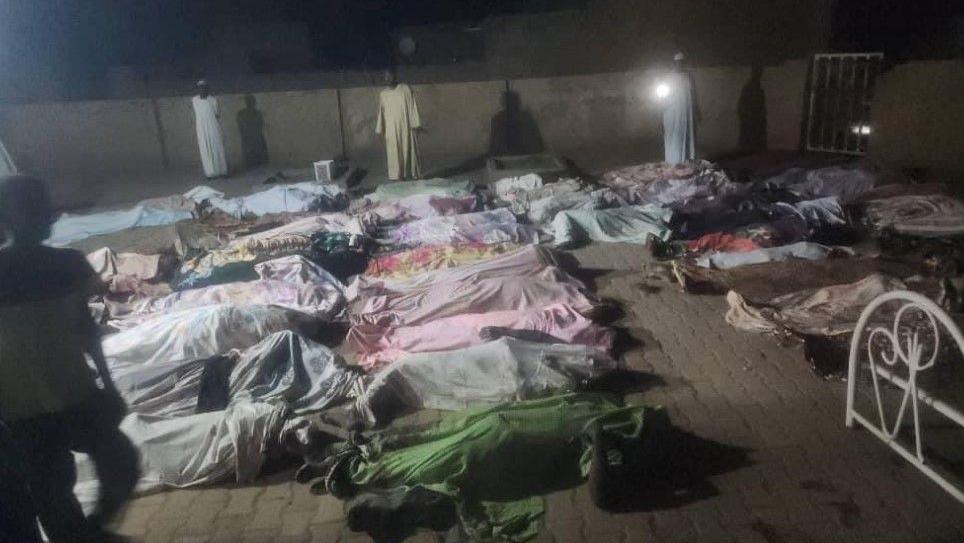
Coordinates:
[431,187]
[492,461]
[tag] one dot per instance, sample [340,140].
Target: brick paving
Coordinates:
[807,479]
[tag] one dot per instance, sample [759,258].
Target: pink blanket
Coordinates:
[552,286]
[380,345]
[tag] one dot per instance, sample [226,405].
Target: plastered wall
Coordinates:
[917,120]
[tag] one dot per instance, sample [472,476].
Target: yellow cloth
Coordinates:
[397,120]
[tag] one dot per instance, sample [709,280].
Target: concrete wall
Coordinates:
[81,137]
[605,113]
[785,87]
[297,126]
[592,119]
[918,118]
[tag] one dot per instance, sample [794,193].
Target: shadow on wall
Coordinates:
[514,130]
[752,112]
[254,147]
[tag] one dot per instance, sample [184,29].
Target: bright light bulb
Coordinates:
[662,90]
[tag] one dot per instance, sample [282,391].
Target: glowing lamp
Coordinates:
[861,129]
[662,90]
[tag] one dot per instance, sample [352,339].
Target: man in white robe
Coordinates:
[7,167]
[678,124]
[210,136]
[398,120]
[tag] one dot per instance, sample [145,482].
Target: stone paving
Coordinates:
[807,478]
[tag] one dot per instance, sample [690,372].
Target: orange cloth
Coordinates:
[720,241]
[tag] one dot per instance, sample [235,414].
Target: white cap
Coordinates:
[201,82]
[679,56]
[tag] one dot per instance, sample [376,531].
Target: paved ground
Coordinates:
[807,478]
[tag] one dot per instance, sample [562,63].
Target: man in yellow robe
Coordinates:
[398,120]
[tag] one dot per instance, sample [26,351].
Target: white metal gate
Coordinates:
[841,92]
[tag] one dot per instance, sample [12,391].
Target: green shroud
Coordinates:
[493,461]
[432,187]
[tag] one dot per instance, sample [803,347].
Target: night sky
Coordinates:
[84,34]
[81,39]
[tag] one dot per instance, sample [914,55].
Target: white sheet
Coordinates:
[197,333]
[293,198]
[71,228]
[283,374]
[499,371]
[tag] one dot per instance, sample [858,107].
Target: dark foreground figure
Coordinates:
[49,397]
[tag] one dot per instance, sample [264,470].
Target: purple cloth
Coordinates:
[464,297]
[846,183]
[497,226]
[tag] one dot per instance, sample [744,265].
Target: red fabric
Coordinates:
[720,241]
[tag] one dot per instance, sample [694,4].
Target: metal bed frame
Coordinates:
[906,347]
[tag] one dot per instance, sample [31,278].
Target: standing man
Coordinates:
[678,123]
[398,120]
[210,136]
[49,397]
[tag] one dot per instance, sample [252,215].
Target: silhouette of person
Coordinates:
[49,398]
[752,111]
[514,130]
[254,147]
[18,518]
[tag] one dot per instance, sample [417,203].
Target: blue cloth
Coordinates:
[71,228]
[803,249]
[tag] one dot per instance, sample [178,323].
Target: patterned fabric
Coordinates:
[297,234]
[411,262]
[527,261]
[340,253]
[933,215]
[491,227]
